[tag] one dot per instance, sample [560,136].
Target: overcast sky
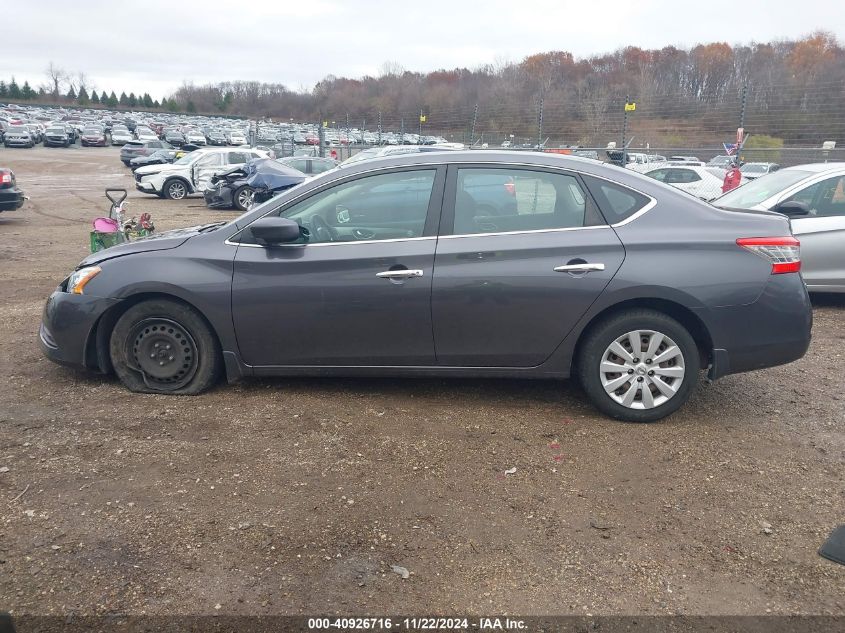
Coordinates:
[155,45]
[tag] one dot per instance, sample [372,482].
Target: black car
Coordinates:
[175,138]
[261,179]
[216,137]
[133,149]
[160,157]
[11,197]
[57,136]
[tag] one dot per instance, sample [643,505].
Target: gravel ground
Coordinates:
[297,496]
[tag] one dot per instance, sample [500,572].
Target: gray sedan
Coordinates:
[449,264]
[813,196]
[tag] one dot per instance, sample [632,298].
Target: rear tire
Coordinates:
[655,378]
[163,346]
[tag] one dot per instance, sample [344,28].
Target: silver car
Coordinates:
[813,196]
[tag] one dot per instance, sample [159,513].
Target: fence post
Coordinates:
[540,126]
[472,131]
[379,128]
[321,137]
[625,130]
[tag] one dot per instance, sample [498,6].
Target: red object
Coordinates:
[334,154]
[732,179]
[554,445]
[783,252]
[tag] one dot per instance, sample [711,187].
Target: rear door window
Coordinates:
[501,200]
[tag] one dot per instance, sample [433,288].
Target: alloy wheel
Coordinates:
[642,369]
[176,191]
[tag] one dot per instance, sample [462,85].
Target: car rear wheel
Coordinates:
[163,346]
[175,189]
[639,365]
[242,198]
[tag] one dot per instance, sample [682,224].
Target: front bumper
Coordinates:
[67,325]
[218,198]
[773,330]
[19,142]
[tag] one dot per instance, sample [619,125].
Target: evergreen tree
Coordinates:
[124,100]
[4,91]
[82,98]
[14,89]
[156,104]
[164,103]
[71,94]
[132,100]
[41,91]
[27,92]
[173,106]
[191,107]
[147,100]
[94,97]
[112,100]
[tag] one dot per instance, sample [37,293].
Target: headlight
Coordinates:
[79,278]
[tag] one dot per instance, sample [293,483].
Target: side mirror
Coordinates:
[793,208]
[275,230]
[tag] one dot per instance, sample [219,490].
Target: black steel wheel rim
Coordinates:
[164,352]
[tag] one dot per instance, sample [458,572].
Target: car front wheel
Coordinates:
[243,198]
[163,346]
[639,365]
[175,189]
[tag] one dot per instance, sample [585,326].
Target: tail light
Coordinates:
[510,187]
[5,178]
[783,252]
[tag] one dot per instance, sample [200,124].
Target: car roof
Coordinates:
[818,168]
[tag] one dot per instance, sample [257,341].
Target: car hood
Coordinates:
[155,242]
[155,169]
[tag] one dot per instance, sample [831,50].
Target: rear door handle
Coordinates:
[399,274]
[578,268]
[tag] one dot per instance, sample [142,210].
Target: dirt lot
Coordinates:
[297,496]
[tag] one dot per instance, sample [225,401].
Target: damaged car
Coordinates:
[257,181]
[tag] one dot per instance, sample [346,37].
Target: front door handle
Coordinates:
[399,274]
[578,268]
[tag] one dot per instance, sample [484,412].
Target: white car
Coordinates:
[695,180]
[145,134]
[121,136]
[192,172]
[237,138]
[195,137]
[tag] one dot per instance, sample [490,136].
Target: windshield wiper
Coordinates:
[211,227]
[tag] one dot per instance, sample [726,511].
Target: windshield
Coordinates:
[756,191]
[91,130]
[55,130]
[187,159]
[754,169]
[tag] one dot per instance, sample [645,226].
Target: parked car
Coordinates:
[35,131]
[813,197]
[216,137]
[195,137]
[721,161]
[191,173]
[160,157]
[144,133]
[56,135]
[93,136]
[381,152]
[238,187]
[18,136]
[11,198]
[385,268]
[309,165]
[236,138]
[750,171]
[133,149]
[695,180]
[175,138]
[685,159]
[120,135]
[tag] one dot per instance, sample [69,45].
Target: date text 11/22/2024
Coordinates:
[417,624]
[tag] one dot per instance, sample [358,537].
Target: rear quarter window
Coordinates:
[616,202]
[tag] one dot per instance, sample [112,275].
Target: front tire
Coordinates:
[163,346]
[242,198]
[657,360]
[175,189]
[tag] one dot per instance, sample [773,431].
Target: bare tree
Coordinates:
[56,77]
[391,69]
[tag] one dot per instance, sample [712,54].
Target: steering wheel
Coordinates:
[322,230]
